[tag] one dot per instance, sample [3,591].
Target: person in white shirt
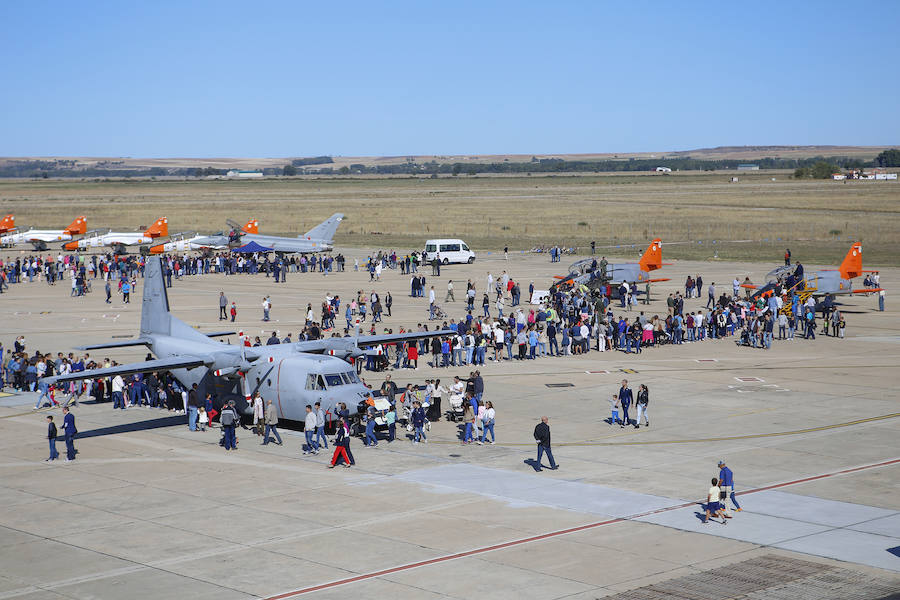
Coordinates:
[118,386]
[431,304]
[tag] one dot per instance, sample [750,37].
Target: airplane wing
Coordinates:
[122,344]
[364,341]
[176,362]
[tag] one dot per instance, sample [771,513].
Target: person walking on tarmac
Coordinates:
[542,437]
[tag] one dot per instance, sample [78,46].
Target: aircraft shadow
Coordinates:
[159,423]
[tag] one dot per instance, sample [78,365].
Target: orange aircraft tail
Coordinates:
[252,226]
[8,222]
[78,226]
[852,265]
[158,229]
[652,258]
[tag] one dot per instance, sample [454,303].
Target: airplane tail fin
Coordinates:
[158,229]
[652,258]
[155,316]
[852,265]
[78,226]
[8,222]
[325,230]
[252,226]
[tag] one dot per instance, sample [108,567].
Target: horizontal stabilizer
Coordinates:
[161,364]
[221,333]
[868,290]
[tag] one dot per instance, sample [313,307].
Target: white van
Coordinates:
[450,251]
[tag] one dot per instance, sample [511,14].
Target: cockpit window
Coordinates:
[333,380]
[314,382]
[354,378]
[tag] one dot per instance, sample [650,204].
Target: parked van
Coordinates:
[450,251]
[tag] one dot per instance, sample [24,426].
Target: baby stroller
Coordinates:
[456,412]
[438,311]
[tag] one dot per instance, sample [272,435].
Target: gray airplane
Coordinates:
[293,375]
[318,239]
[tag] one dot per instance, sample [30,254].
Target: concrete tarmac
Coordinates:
[152,510]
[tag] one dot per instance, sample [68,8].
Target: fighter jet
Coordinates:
[819,283]
[318,239]
[8,224]
[119,240]
[293,375]
[218,241]
[585,272]
[39,238]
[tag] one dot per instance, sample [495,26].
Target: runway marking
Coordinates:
[552,534]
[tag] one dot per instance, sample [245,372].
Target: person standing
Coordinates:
[625,399]
[431,304]
[388,302]
[271,424]
[643,399]
[713,506]
[108,290]
[233,311]
[488,423]
[229,419]
[418,423]
[320,427]
[726,484]
[341,443]
[266,306]
[542,437]
[449,297]
[69,430]
[309,431]
[51,437]
[118,387]
[711,297]
[193,407]
[223,303]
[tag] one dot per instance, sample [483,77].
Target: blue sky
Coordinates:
[272,79]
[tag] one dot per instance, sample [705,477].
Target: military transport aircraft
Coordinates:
[218,241]
[584,272]
[39,238]
[119,240]
[318,239]
[292,375]
[823,282]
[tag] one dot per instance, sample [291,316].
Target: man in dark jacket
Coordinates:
[542,437]
[51,435]
[70,431]
[625,398]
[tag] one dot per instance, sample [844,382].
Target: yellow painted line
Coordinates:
[712,439]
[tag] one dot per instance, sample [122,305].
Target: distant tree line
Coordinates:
[816,167]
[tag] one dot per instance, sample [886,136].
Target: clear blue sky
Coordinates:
[269,79]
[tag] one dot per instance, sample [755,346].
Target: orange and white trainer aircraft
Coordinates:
[119,240]
[39,238]
[217,241]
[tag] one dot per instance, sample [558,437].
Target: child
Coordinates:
[712,503]
[841,326]
[614,405]
[391,419]
[202,418]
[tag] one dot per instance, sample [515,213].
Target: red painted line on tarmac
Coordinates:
[544,536]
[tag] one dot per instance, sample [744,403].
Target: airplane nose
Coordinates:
[158,249]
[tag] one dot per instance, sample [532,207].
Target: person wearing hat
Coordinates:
[726,484]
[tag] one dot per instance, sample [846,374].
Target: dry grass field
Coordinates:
[699,216]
